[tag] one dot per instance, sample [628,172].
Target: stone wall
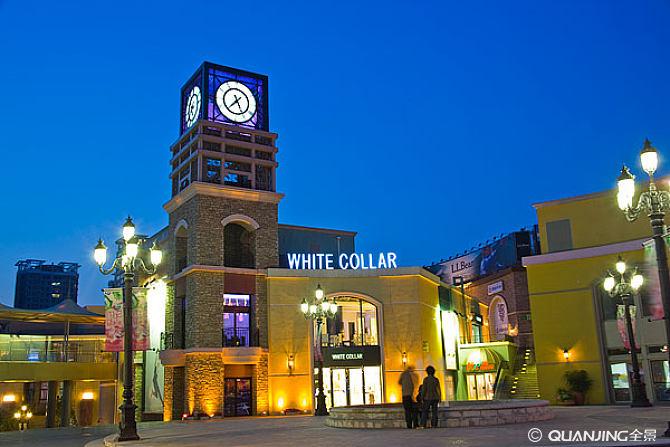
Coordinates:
[260,386]
[459,414]
[204,309]
[174,393]
[204,383]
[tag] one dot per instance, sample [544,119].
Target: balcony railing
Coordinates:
[238,337]
[76,351]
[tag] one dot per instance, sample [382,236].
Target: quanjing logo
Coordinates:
[646,435]
[534,435]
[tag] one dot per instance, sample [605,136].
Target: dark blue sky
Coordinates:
[426,127]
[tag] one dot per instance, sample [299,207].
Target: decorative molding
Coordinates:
[238,355]
[581,253]
[223,191]
[246,221]
[181,224]
[216,269]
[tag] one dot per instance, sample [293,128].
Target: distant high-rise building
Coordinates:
[40,285]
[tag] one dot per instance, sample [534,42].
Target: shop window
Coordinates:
[559,235]
[238,247]
[620,383]
[355,324]
[661,379]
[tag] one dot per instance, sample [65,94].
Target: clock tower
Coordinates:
[222,238]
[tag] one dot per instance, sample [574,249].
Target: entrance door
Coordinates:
[237,397]
[480,386]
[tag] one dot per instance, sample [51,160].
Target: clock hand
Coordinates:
[237,101]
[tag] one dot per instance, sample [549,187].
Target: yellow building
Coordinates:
[576,325]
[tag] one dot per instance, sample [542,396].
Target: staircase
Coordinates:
[524,382]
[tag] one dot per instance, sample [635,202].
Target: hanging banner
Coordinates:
[650,293]
[114,332]
[154,377]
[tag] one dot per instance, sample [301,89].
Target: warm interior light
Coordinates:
[100,253]
[620,266]
[156,254]
[132,248]
[649,158]
[319,292]
[636,281]
[393,398]
[87,395]
[128,229]
[609,283]
[9,398]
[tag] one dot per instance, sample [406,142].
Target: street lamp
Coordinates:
[129,262]
[624,289]
[319,309]
[655,203]
[23,415]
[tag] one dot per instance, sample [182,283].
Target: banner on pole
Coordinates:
[114,332]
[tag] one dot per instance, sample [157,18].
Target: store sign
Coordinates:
[351,356]
[345,261]
[496,287]
[478,361]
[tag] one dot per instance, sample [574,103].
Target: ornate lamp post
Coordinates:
[655,203]
[23,415]
[319,309]
[624,289]
[129,261]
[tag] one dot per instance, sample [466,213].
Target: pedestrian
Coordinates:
[430,395]
[418,406]
[408,381]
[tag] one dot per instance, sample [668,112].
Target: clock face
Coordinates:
[193,106]
[236,101]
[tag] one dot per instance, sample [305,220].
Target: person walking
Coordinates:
[408,381]
[430,395]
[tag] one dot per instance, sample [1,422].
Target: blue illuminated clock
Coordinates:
[226,95]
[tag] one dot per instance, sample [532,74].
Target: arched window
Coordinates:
[238,246]
[498,318]
[181,247]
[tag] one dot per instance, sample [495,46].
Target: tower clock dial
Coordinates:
[236,101]
[193,106]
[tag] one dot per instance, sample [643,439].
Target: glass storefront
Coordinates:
[237,397]
[352,386]
[352,372]
[620,382]
[480,386]
[661,379]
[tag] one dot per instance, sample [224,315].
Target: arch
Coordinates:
[247,222]
[180,227]
[239,246]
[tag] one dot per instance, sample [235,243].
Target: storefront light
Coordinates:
[87,395]
[9,398]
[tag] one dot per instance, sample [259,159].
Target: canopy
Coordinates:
[66,311]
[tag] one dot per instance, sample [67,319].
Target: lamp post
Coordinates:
[23,415]
[624,288]
[319,309]
[655,203]
[129,262]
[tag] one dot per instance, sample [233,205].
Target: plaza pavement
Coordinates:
[303,431]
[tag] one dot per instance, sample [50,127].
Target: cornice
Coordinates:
[223,191]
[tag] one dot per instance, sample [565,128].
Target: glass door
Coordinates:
[339,387]
[237,397]
[472,386]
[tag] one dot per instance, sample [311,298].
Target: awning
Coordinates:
[67,311]
[482,360]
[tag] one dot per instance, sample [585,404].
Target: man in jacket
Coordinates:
[408,381]
[431,394]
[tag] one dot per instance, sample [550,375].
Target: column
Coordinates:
[51,404]
[66,403]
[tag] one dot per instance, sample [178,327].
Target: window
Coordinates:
[355,324]
[237,166]
[263,155]
[237,180]
[211,146]
[213,170]
[236,150]
[266,141]
[559,235]
[240,136]
[44,391]
[236,311]
[263,178]
[238,247]
[184,178]
[661,377]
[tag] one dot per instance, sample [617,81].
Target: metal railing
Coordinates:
[90,351]
[237,337]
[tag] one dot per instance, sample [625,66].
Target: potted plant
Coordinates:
[579,383]
[565,397]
